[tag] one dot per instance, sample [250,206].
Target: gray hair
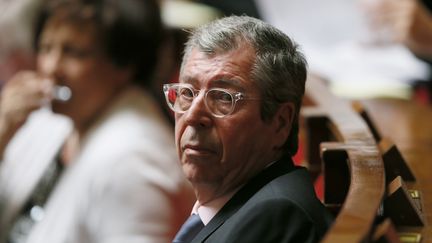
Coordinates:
[279,69]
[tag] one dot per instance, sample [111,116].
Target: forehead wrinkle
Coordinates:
[224,81]
[188,79]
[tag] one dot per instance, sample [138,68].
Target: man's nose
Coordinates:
[198,113]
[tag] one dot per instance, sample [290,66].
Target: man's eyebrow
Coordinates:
[223,81]
[227,82]
[188,79]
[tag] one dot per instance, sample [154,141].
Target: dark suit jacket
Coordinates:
[278,205]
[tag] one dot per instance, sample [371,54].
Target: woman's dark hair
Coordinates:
[130,30]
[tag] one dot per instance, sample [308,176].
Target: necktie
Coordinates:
[189,229]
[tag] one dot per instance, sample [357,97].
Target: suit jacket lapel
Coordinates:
[277,169]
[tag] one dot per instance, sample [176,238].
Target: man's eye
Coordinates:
[223,97]
[186,93]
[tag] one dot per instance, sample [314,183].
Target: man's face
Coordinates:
[223,152]
[72,56]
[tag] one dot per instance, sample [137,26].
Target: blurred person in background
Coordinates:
[408,22]
[339,33]
[87,155]
[16,26]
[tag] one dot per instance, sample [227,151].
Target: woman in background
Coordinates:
[100,165]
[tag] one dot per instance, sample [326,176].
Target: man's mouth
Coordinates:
[197,150]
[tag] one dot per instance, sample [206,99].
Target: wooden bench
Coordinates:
[363,172]
[354,179]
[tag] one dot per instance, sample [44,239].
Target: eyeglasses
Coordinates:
[219,102]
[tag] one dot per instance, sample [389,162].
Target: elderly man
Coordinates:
[236,110]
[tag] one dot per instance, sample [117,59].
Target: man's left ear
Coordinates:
[283,120]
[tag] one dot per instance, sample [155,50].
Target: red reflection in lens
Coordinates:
[172,95]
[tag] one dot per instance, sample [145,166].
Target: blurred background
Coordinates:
[359,55]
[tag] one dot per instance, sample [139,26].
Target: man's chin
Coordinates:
[200,177]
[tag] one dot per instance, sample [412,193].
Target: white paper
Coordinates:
[336,40]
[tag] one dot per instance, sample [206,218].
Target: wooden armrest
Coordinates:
[363,173]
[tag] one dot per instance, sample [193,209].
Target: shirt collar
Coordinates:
[207,211]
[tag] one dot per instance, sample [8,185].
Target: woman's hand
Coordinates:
[23,93]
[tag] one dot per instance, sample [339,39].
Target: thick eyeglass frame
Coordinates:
[235,96]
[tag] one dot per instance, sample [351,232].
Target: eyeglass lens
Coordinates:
[219,102]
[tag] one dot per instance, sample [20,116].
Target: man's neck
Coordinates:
[206,193]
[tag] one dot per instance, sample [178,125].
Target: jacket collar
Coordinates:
[279,168]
